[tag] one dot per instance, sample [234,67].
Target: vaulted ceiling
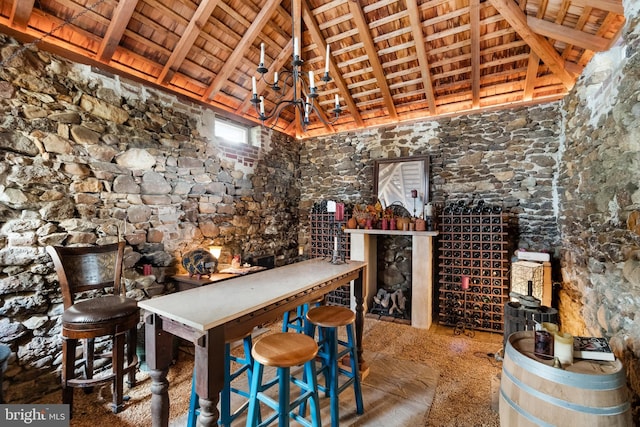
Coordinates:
[390,60]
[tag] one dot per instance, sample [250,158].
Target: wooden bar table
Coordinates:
[206,315]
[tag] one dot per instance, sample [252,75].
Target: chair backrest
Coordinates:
[88,268]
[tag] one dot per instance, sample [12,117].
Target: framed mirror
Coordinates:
[398,179]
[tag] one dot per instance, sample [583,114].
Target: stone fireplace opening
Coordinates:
[392,301]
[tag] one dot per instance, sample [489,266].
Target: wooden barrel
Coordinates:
[534,393]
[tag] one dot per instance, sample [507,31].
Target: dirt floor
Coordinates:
[465,396]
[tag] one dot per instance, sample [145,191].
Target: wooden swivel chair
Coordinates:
[87,275]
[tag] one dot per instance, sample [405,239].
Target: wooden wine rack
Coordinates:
[473,242]
[323,229]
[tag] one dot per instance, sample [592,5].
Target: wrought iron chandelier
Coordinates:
[303,87]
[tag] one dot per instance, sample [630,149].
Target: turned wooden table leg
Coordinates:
[209,366]
[358,293]
[158,344]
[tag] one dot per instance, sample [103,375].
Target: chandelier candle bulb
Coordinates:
[326,65]
[296,48]
[337,101]
[312,84]
[262,105]
[261,53]
[275,78]
[254,86]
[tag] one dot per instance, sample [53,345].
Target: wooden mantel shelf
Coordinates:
[363,248]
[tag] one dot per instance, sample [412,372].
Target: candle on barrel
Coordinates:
[563,347]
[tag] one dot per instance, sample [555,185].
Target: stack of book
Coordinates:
[593,348]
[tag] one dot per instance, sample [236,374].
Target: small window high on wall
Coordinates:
[231,132]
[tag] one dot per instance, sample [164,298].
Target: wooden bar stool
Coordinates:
[92,271]
[246,366]
[284,350]
[297,322]
[328,319]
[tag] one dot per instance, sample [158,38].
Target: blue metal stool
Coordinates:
[284,350]
[246,365]
[328,319]
[298,321]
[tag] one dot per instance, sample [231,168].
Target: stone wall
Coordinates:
[88,158]
[599,201]
[505,158]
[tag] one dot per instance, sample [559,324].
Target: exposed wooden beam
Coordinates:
[321,45]
[568,35]
[542,8]
[474,13]
[517,19]
[238,53]
[532,76]
[296,16]
[421,51]
[198,20]
[374,59]
[614,6]
[119,21]
[20,13]
[316,36]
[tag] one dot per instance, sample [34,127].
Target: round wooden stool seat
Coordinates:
[332,350]
[284,349]
[331,316]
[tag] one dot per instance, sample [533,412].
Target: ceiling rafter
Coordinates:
[474,12]
[532,76]
[613,6]
[189,36]
[374,58]
[20,12]
[236,56]
[415,59]
[317,38]
[517,19]
[567,35]
[119,21]
[321,45]
[421,50]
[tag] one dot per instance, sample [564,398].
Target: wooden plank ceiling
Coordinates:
[390,60]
